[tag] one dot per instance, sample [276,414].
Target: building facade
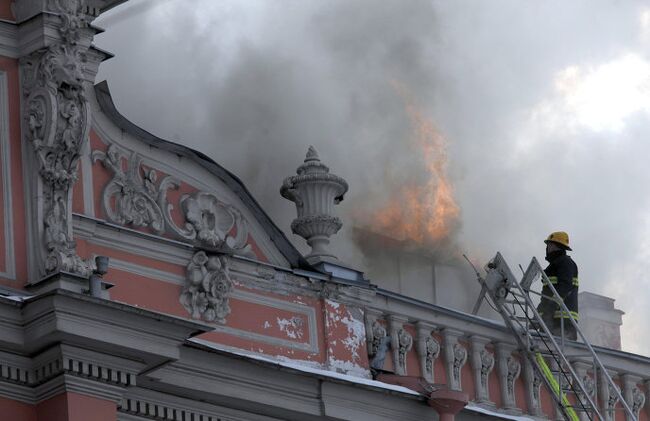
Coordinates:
[206,311]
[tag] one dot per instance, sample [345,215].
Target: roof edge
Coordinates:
[278,238]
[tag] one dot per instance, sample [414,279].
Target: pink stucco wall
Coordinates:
[5,10]
[17,411]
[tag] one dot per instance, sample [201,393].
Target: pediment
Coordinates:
[134,179]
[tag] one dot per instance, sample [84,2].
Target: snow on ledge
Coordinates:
[482,410]
[306,368]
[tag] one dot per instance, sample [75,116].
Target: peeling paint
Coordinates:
[356,335]
[293,327]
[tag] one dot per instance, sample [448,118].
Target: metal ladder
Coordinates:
[512,300]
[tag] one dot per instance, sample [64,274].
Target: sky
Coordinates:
[544,108]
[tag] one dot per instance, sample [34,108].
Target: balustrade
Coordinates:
[478,358]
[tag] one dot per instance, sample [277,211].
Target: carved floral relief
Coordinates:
[378,333]
[487,363]
[514,368]
[612,399]
[638,400]
[405,344]
[129,198]
[207,288]
[432,348]
[460,357]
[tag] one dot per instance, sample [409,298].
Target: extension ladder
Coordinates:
[512,300]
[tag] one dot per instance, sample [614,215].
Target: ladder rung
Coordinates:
[586,408]
[512,302]
[522,318]
[578,356]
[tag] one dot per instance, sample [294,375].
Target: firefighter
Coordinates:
[562,272]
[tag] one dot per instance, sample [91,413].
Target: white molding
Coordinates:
[140,403]
[145,271]
[5,152]
[17,392]
[124,239]
[309,312]
[286,394]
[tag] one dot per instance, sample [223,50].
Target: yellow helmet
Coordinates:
[559,237]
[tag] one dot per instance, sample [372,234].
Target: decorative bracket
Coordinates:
[56,123]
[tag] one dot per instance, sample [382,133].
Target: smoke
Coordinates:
[254,83]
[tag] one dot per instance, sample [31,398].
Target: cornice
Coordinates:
[9,40]
[149,404]
[65,368]
[219,377]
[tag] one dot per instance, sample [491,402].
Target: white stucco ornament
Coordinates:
[207,288]
[315,192]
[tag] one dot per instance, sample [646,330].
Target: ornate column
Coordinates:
[401,343]
[455,357]
[428,349]
[482,362]
[581,368]
[57,66]
[533,384]
[508,368]
[315,192]
[632,394]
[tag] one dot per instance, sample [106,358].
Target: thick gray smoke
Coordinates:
[546,127]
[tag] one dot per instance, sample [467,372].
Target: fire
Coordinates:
[423,212]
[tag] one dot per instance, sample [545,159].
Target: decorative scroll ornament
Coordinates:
[638,400]
[514,369]
[432,348]
[460,357]
[612,399]
[405,344]
[132,197]
[129,198]
[57,121]
[487,364]
[209,221]
[207,288]
[378,332]
[588,384]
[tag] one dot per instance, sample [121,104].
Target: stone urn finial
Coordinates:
[315,192]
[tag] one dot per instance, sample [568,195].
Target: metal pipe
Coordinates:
[95,280]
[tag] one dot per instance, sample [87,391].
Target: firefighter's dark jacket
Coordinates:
[562,272]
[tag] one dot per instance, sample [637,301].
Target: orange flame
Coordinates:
[425,213]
